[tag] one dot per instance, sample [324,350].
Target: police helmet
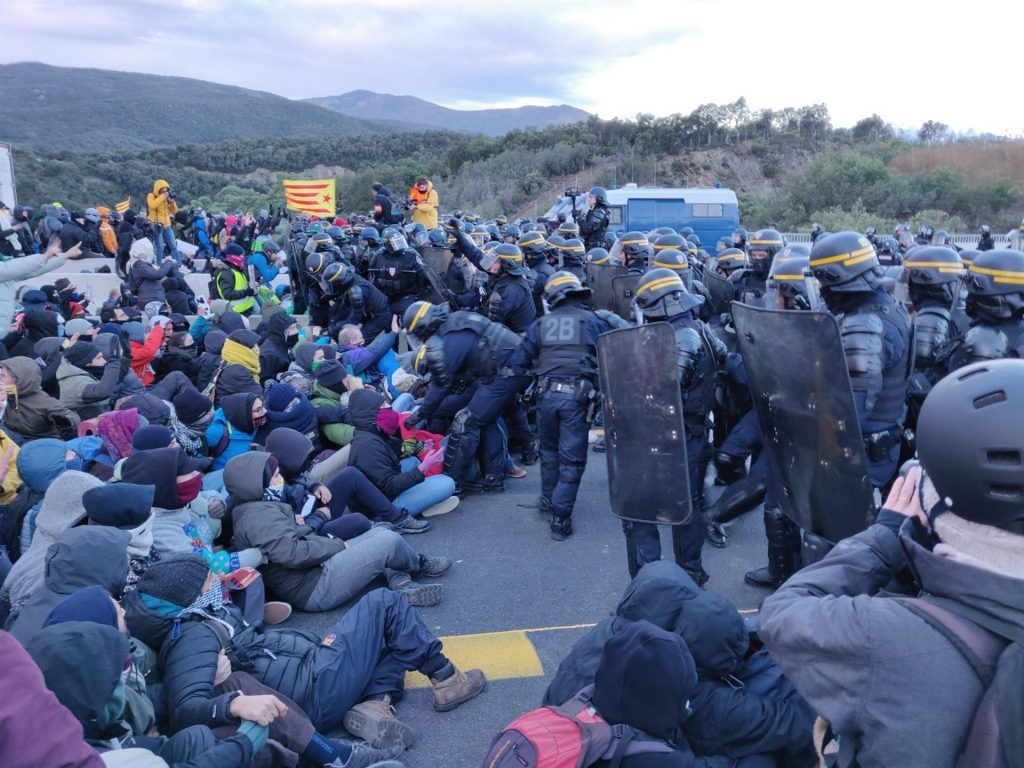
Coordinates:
[422,318]
[967,257]
[669,242]
[933,274]
[533,244]
[659,232]
[661,294]
[568,229]
[394,240]
[269,246]
[479,235]
[870,232]
[573,250]
[511,231]
[508,256]
[790,283]
[316,263]
[671,258]
[322,240]
[555,242]
[598,256]
[493,232]
[762,248]
[416,234]
[561,286]
[635,246]
[845,262]
[694,239]
[438,238]
[730,260]
[971,445]
[985,229]
[314,227]
[995,285]
[369,236]
[501,219]
[686,231]
[941,237]
[599,194]
[338,273]
[739,238]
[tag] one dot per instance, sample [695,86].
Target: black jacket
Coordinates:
[274,357]
[73,232]
[593,225]
[372,452]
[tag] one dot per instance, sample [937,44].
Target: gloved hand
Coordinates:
[432,462]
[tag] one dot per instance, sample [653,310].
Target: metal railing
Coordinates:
[964,241]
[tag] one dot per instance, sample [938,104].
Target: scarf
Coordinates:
[190,440]
[234,353]
[116,429]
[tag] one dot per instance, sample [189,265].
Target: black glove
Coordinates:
[561,218]
[575,215]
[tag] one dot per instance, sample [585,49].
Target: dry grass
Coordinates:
[977,161]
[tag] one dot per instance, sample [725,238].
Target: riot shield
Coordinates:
[436,292]
[812,440]
[645,439]
[623,291]
[721,292]
[438,258]
[599,280]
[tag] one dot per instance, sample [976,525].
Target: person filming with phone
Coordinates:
[161,207]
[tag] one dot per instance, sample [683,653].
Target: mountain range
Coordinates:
[400,110]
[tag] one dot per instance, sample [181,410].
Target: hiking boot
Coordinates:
[419,595]
[374,721]
[515,472]
[365,756]
[561,528]
[761,577]
[407,524]
[442,507]
[459,688]
[275,612]
[434,566]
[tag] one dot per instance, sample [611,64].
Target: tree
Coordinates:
[933,132]
[872,128]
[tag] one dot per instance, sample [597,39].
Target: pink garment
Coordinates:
[116,430]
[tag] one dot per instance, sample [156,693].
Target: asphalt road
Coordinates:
[509,575]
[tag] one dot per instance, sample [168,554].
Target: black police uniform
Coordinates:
[510,302]
[359,303]
[399,276]
[593,225]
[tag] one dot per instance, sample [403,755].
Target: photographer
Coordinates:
[423,198]
[160,208]
[594,222]
[385,211]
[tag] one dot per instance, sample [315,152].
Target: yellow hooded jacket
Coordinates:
[424,210]
[159,208]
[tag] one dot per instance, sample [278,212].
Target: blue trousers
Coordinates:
[563,429]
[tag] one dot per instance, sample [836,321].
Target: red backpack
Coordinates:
[572,735]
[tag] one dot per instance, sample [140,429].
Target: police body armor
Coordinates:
[863,339]
[699,353]
[521,316]
[932,326]
[750,287]
[990,342]
[564,351]
[495,342]
[395,274]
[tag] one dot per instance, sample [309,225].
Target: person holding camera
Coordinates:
[594,222]
[160,208]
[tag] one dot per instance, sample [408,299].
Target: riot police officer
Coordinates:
[573,254]
[366,252]
[739,238]
[535,250]
[460,349]
[875,331]
[995,306]
[562,346]
[396,271]
[985,243]
[568,230]
[317,303]
[354,301]
[634,251]
[661,295]
[510,300]
[751,283]
[594,223]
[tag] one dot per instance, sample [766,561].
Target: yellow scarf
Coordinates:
[234,353]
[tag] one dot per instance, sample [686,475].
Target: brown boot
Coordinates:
[374,721]
[460,687]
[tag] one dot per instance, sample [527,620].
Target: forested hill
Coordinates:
[67,108]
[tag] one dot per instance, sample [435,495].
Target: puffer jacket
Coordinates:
[742,708]
[333,417]
[84,393]
[295,551]
[372,452]
[231,432]
[31,412]
[160,209]
[274,357]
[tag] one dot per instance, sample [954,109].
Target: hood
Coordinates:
[48,350]
[384,191]
[157,467]
[213,342]
[158,185]
[230,321]
[26,374]
[87,555]
[276,326]
[41,323]
[82,663]
[237,410]
[303,354]
[645,679]
[142,250]
[243,476]
[363,405]
[663,594]
[291,448]
[150,407]
[996,595]
[62,505]
[39,462]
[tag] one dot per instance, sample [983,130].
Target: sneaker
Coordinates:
[434,566]
[275,612]
[442,507]
[515,472]
[410,524]
[365,756]
[457,689]
[420,595]
[374,721]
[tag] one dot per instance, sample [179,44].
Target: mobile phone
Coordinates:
[241,578]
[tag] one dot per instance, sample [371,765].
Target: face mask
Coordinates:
[210,601]
[259,421]
[315,364]
[292,339]
[11,389]
[188,489]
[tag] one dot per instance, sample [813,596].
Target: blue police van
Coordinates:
[712,213]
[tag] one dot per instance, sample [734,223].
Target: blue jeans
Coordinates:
[421,497]
[403,403]
[164,235]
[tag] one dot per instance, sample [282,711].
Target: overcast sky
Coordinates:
[908,61]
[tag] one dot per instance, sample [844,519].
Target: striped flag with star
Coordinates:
[123,206]
[316,197]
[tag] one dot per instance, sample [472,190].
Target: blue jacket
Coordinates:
[267,271]
[231,432]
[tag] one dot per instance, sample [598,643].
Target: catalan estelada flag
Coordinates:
[316,197]
[123,206]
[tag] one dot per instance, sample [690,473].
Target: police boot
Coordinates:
[485,484]
[561,528]
[739,498]
[729,468]
[782,555]
[529,455]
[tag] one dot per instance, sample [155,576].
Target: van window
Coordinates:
[707,210]
[615,216]
[650,214]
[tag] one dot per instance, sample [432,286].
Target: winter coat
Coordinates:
[295,551]
[31,412]
[84,393]
[740,708]
[147,280]
[173,359]
[34,705]
[266,270]
[142,355]
[287,407]
[49,352]
[231,431]
[882,676]
[12,272]
[61,509]
[160,209]
[38,324]
[425,205]
[372,452]
[81,557]
[40,462]
[73,233]
[336,429]
[274,358]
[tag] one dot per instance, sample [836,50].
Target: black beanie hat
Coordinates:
[178,579]
[190,405]
[81,353]
[119,505]
[245,338]
[332,374]
[151,436]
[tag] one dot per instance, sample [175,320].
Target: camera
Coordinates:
[573,192]
[170,195]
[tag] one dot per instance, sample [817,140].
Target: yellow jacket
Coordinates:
[160,209]
[424,210]
[12,481]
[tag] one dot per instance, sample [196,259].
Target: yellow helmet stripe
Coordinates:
[561,281]
[997,272]
[765,242]
[847,258]
[666,265]
[786,277]
[635,242]
[419,315]
[664,282]
[944,266]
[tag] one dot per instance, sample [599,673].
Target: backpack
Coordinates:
[995,651]
[572,735]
